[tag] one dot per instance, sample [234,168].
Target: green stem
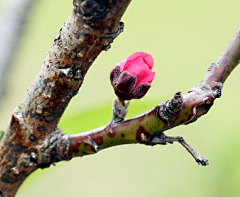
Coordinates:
[143,128]
[126,132]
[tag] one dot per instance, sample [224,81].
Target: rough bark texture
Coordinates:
[33,140]
[33,133]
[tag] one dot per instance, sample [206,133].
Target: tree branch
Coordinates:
[90,29]
[33,140]
[146,128]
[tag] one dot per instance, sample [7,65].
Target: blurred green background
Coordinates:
[183,37]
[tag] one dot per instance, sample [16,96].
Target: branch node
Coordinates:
[91,11]
[169,110]
[207,95]
[162,139]
[55,148]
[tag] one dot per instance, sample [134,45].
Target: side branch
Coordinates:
[33,140]
[148,128]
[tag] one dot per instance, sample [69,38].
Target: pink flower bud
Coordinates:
[132,77]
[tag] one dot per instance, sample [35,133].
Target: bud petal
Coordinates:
[140,90]
[132,77]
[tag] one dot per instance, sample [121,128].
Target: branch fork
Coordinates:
[33,140]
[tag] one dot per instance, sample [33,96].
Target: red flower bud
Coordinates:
[132,77]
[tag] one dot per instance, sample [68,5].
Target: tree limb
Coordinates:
[90,29]
[33,140]
[180,110]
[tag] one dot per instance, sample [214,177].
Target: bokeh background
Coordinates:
[183,37]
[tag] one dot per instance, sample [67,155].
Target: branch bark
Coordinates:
[180,110]
[90,29]
[33,140]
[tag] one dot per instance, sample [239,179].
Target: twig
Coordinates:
[33,140]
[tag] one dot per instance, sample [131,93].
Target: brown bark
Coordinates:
[33,131]
[33,140]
